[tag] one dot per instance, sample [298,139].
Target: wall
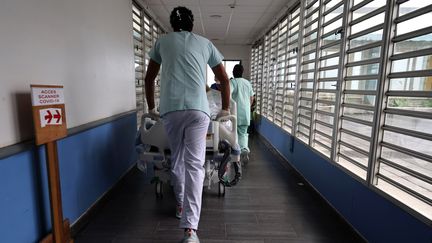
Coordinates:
[237,52]
[90,163]
[85,45]
[372,215]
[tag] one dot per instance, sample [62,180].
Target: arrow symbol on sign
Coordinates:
[57,116]
[49,116]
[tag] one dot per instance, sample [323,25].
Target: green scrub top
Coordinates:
[184,57]
[241,91]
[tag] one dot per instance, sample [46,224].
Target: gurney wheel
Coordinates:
[221,190]
[158,190]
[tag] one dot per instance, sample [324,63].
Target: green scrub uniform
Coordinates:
[241,92]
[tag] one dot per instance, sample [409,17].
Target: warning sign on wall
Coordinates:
[48,113]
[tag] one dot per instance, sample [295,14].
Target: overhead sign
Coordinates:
[48,113]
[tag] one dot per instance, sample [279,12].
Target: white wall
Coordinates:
[85,45]
[237,52]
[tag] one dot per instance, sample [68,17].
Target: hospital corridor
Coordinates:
[272,204]
[215,121]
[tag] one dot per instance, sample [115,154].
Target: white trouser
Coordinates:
[187,132]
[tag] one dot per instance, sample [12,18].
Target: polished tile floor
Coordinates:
[271,204]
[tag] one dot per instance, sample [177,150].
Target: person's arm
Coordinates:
[219,72]
[251,101]
[152,71]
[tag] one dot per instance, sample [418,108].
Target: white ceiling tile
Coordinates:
[180,2]
[236,41]
[158,9]
[240,9]
[220,23]
[152,2]
[215,2]
[244,20]
[254,2]
[198,31]
[216,32]
[250,17]
[215,9]
[193,7]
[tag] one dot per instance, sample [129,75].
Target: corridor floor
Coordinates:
[271,204]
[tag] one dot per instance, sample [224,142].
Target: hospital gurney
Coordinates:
[222,163]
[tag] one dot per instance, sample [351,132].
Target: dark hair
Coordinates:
[238,71]
[181,18]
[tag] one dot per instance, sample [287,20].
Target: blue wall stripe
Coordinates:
[91,162]
[372,215]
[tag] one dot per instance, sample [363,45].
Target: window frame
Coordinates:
[147,40]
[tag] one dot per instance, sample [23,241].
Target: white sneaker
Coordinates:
[244,157]
[190,236]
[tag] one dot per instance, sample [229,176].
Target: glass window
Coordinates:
[371,6]
[308,69]
[365,54]
[143,40]
[405,161]
[411,84]
[326,101]
[416,164]
[366,39]
[368,23]
[359,114]
[414,24]
[356,141]
[327,96]
[327,104]
[413,44]
[139,63]
[358,157]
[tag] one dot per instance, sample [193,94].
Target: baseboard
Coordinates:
[85,218]
[285,163]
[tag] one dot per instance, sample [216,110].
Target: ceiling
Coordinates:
[240,21]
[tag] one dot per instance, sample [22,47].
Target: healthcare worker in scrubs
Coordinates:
[184,109]
[242,93]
